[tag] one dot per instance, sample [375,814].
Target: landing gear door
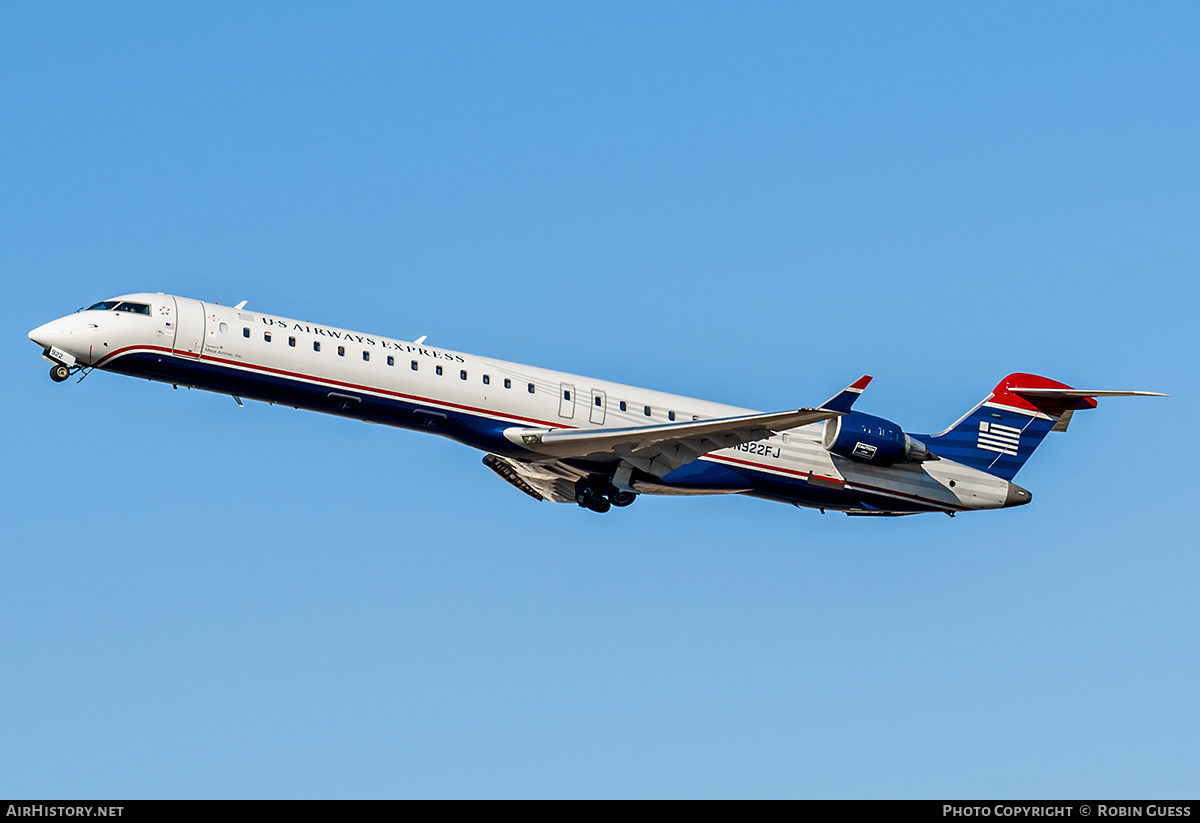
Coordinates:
[189,326]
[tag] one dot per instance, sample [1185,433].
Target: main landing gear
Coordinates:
[599,494]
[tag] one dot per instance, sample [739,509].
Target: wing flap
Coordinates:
[541,481]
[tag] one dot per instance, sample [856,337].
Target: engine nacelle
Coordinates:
[873,440]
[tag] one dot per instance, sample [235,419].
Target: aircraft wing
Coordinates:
[661,449]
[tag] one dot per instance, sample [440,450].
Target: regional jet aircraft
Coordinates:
[574,439]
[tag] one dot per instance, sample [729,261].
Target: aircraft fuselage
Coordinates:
[488,403]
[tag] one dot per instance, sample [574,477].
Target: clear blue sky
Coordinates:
[749,203]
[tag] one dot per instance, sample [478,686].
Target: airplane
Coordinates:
[574,439]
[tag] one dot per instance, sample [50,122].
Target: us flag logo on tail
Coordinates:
[997,438]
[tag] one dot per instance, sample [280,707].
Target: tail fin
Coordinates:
[1000,434]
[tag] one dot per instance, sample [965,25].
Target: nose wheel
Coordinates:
[59,372]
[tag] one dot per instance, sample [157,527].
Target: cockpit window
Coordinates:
[117,305]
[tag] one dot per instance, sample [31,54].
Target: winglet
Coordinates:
[843,400]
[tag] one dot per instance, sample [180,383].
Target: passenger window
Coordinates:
[487,380]
[292,342]
[341,351]
[366,356]
[507,383]
[316,345]
[438,369]
[414,365]
[462,375]
[245,332]
[622,405]
[224,327]
[566,395]
[597,400]
[647,410]
[391,360]
[670,415]
[267,336]
[786,438]
[531,388]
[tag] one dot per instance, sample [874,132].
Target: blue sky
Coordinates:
[753,204]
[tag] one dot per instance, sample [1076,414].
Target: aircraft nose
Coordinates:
[49,334]
[1016,496]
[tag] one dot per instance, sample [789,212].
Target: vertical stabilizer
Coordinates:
[1000,434]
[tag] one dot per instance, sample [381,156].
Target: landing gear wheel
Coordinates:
[590,500]
[59,373]
[598,504]
[621,498]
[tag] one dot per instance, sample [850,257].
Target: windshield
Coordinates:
[117,305]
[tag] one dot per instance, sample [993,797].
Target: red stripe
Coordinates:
[337,383]
[863,486]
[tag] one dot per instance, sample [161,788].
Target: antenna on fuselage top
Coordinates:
[420,340]
[241,305]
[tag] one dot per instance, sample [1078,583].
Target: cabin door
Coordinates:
[189,326]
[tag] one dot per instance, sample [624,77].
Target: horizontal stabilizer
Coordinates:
[1065,393]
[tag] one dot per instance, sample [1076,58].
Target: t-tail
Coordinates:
[1000,434]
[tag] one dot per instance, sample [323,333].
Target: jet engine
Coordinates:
[873,440]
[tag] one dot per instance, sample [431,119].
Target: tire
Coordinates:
[598,504]
[621,498]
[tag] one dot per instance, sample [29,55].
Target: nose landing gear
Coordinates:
[61,371]
[599,494]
